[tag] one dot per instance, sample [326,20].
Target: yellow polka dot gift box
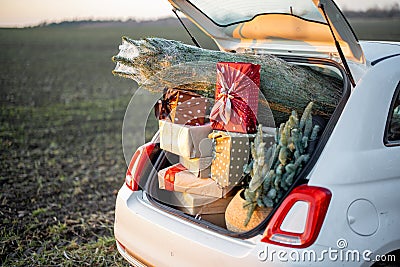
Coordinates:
[231,151]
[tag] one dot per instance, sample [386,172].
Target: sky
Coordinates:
[20,13]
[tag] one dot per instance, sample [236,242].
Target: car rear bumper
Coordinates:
[150,236]
[160,239]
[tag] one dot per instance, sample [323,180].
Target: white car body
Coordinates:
[357,165]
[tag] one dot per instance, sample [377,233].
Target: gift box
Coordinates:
[178,178]
[184,140]
[231,153]
[183,107]
[236,97]
[200,167]
[196,204]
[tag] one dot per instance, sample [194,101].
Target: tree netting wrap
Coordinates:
[152,62]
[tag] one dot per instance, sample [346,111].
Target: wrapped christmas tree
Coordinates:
[273,170]
[155,64]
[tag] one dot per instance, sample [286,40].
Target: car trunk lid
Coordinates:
[309,28]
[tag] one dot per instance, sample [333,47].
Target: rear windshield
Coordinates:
[227,12]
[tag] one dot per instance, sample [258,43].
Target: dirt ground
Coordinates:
[61,156]
[61,115]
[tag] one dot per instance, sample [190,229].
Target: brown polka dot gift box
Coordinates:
[178,178]
[231,153]
[185,140]
[236,97]
[183,107]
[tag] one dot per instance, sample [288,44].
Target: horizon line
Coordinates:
[141,20]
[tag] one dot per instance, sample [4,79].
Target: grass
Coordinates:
[61,160]
[377,29]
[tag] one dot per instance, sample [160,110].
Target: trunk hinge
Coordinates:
[339,49]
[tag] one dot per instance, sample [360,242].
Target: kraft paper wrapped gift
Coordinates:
[236,97]
[195,204]
[178,178]
[184,140]
[231,153]
[183,107]
[200,167]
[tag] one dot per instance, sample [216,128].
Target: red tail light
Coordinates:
[139,160]
[298,220]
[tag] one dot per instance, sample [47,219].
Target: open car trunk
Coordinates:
[165,199]
[312,33]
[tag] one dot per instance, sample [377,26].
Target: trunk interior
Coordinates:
[216,221]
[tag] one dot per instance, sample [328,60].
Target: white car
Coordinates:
[344,209]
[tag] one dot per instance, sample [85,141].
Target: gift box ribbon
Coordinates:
[169,177]
[163,107]
[226,100]
[217,138]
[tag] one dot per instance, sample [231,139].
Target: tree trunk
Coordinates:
[157,63]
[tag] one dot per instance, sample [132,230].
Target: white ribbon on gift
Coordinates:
[224,104]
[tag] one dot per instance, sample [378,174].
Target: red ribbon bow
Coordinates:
[169,178]
[223,105]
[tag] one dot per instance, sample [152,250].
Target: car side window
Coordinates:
[393,123]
